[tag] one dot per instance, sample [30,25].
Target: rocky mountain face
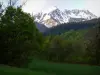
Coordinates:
[55,16]
[41,27]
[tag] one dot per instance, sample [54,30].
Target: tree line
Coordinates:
[62,28]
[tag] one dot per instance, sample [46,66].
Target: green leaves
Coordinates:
[19,37]
[93,47]
[63,49]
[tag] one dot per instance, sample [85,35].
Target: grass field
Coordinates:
[38,67]
[64,69]
[5,70]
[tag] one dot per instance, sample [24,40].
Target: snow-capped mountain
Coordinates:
[55,16]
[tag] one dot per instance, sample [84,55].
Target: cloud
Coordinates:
[39,5]
[93,6]
[34,5]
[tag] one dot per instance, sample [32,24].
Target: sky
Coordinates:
[35,6]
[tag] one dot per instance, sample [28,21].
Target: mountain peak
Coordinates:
[54,16]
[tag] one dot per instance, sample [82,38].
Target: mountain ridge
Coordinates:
[55,16]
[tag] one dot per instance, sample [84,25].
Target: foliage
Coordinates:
[75,46]
[19,37]
[93,48]
[67,47]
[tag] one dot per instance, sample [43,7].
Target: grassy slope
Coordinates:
[64,69]
[5,70]
[38,67]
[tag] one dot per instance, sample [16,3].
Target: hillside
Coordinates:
[71,26]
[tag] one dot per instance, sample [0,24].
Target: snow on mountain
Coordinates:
[54,16]
[80,14]
[46,17]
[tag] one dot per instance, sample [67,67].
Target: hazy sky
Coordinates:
[41,5]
